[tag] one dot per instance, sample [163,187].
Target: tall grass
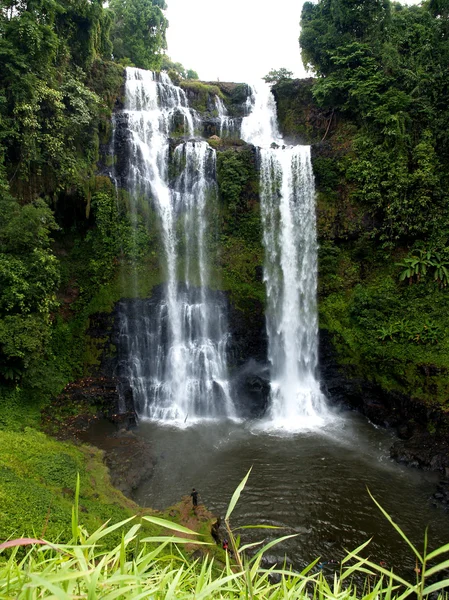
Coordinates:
[155,567]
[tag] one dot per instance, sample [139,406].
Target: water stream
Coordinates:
[290,268]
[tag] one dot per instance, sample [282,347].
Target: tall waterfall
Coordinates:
[290,268]
[176,344]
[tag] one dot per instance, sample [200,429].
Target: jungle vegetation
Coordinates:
[382,171]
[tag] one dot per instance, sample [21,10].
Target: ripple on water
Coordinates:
[314,484]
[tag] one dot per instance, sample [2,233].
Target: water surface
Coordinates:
[312,483]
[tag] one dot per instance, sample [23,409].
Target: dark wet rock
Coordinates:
[121,149]
[83,401]
[424,450]
[423,431]
[248,335]
[404,431]
[441,496]
[251,387]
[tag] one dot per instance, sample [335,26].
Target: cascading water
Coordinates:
[290,268]
[175,346]
[229,126]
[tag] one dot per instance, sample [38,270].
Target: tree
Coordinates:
[383,66]
[191,74]
[138,32]
[276,76]
[176,67]
[29,276]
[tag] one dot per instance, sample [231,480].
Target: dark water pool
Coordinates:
[313,483]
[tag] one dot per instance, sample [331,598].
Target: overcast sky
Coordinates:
[235,40]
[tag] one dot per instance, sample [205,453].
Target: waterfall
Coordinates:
[229,126]
[174,345]
[290,267]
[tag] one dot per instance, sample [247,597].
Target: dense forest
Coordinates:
[382,173]
[58,85]
[377,114]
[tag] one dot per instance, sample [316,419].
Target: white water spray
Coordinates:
[177,355]
[290,268]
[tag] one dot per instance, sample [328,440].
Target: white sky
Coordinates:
[236,40]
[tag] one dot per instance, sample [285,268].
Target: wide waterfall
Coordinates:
[290,268]
[175,344]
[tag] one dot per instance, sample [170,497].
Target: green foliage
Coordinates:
[296,111]
[177,69]
[138,32]
[276,76]
[155,566]
[29,277]
[416,266]
[37,487]
[236,177]
[241,251]
[200,94]
[375,66]
[383,330]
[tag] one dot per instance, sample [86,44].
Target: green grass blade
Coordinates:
[170,525]
[175,540]
[101,532]
[354,553]
[236,495]
[44,584]
[438,551]
[215,585]
[398,529]
[171,592]
[439,585]
[271,544]
[75,508]
[379,569]
[436,568]
[247,546]
[122,555]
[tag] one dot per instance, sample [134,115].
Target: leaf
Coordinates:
[354,553]
[100,533]
[436,586]
[258,527]
[437,552]
[436,568]
[271,544]
[22,542]
[175,540]
[398,529]
[247,546]
[170,525]
[236,495]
